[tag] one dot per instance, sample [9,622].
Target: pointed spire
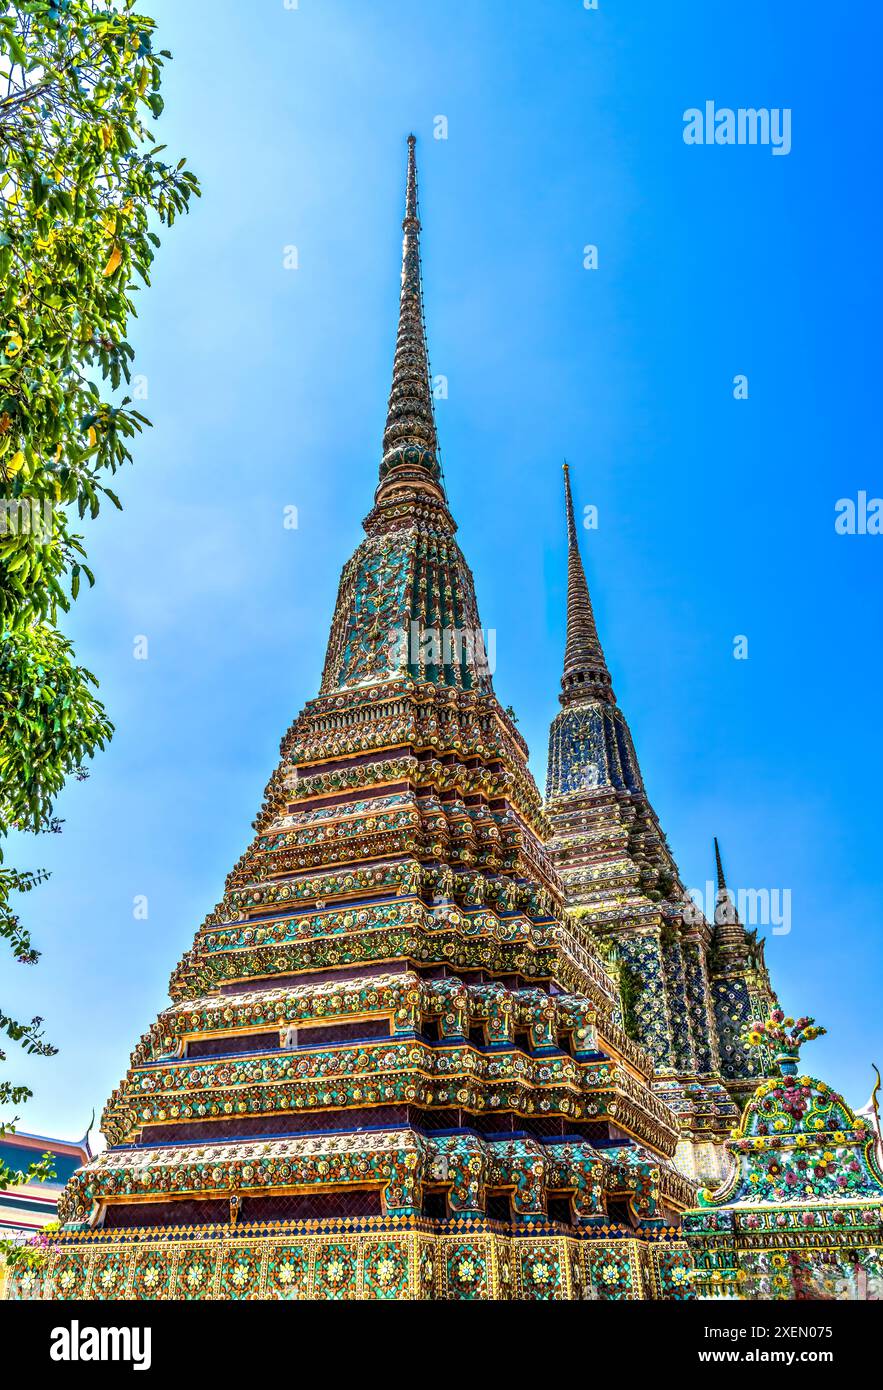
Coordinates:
[410,442]
[727,927]
[721,881]
[585,670]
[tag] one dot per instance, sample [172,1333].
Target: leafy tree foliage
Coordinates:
[51,721]
[82,184]
[83,188]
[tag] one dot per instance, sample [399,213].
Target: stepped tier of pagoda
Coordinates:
[689,988]
[393,1065]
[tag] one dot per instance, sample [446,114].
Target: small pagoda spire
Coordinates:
[727,927]
[721,881]
[410,442]
[585,670]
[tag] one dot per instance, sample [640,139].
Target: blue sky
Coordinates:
[267,389]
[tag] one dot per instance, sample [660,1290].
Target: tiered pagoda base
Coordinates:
[368,1258]
[397,1077]
[795,1252]
[608,867]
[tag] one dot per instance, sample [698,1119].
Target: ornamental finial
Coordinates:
[585,671]
[411,185]
[410,442]
[572,542]
[784,1037]
[721,881]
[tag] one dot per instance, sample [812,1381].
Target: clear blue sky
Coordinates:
[267,389]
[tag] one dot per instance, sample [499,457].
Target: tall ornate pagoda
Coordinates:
[688,987]
[393,1067]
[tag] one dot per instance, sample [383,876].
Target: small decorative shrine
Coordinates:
[801,1216]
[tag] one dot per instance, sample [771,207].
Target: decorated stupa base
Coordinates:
[371,1258]
[800,1253]
[801,1216]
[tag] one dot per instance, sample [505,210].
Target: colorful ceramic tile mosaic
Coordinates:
[801,1215]
[463,1263]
